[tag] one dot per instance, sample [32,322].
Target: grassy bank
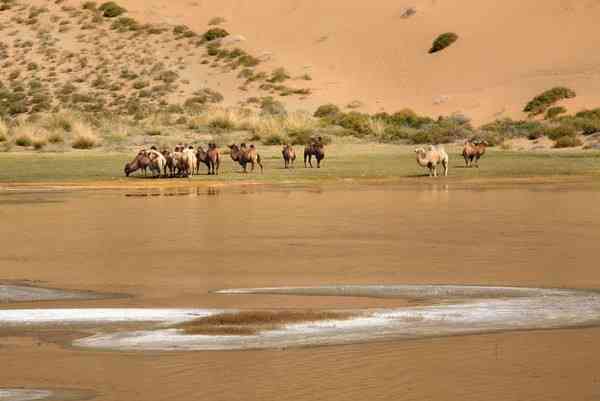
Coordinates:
[350,161]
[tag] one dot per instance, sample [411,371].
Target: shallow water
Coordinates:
[174,248]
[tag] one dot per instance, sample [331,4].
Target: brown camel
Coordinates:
[473,150]
[141,162]
[315,148]
[289,156]
[211,158]
[244,155]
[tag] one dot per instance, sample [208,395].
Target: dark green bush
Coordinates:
[553,112]
[540,103]
[443,41]
[327,110]
[110,9]
[214,33]
[560,131]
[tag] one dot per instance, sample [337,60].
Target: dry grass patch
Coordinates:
[253,322]
[84,137]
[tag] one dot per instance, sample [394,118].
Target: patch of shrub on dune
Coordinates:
[214,33]
[443,41]
[543,101]
[110,9]
[567,142]
[554,112]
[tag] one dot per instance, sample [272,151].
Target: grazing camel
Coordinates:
[315,148]
[141,162]
[431,158]
[244,155]
[473,150]
[211,158]
[289,156]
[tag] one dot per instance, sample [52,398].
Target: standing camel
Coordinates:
[244,155]
[289,156]
[431,158]
[315,148]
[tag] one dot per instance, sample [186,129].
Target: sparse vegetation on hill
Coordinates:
[443,41]
[542,102]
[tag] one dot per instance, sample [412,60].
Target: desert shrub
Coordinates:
[593,114]
[222,123]
[214,33]
[168,76]
[153,132]
[23,139]
[327,111]
[355,121]
[274,139]
[404,118]
[83,136]
[246,60]
[587,126]
[124,24]
[560,131]
[278,75]
[55,137]
[443,41]
[270,106]
[540,103]
[140,84]
[553,112]
[396,133]
[514,128]
[216,21]
[110,9]
[567,142]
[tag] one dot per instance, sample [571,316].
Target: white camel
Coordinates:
[431,158]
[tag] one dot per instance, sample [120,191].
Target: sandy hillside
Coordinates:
[507,53]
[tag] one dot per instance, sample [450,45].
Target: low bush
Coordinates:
[327,111]
[274,139]
[214,33]
[443,41]
[567,142]
[278,75]
[554,112]
[55,138]
[23,139]
[110,9]
[540,103]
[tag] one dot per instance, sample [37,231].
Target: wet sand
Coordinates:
[173,251]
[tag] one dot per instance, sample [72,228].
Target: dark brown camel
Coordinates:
[315,148]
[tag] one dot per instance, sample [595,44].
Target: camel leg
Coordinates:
[445,164]
[477,161]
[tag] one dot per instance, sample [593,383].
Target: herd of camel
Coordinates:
[184,161]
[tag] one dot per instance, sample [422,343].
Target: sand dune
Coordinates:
[507,53]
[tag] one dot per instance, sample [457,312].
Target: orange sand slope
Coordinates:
[507,52]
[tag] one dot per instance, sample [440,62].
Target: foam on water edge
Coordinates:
[474,309]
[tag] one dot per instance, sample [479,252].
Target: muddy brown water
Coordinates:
[171,248]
